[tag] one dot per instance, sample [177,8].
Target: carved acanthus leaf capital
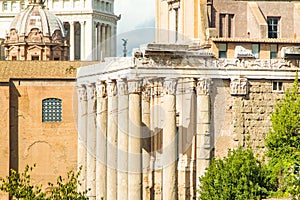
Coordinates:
[134,86]
[203,86]
[170,86]
[239,86]
[101,89]
[82,93]
[122,87]
[91,91]
[111,88]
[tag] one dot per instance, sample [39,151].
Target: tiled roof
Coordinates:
[39,69]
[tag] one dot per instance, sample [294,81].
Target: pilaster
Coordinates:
[82,40]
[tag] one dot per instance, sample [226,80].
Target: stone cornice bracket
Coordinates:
[101,89]
[91,90]
[111,88]
[122,86]
[82,93]
[134,86]
[170,86]
[203,86]
[239,86]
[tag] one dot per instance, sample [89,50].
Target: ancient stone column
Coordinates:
[72,41]
[101,140]
[146,142]
[203,135]
[134,141]
[169,141]
[122,140]
[91,141]
[108,38]
[112,135]
[82,40]
[82,121]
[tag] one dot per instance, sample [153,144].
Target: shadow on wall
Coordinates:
[13,127]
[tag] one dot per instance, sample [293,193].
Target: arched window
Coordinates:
[51,110]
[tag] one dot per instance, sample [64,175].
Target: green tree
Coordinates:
[239,176]
[283,144]
[19,186]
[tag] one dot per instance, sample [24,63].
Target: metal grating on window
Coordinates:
[51,110]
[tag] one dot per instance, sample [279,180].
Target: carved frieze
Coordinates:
[203,86]
[239,86]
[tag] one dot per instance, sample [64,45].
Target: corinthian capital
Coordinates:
[122,87]
[203,86]
[81,90]
[101,89]
[170,86]
[91,91]
[111,88]
[134,86]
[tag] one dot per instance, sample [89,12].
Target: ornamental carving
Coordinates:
[239,86]
[111,88]
[57,37]
[82,94]
[101,89]
[156,88]
[122,87]
[35,35]
[203,86]
[13,36]
[134,86]
[91,91]
[170,86]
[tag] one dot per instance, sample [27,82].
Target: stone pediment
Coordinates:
[57,48]
[35,47]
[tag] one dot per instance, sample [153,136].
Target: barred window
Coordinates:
[51,110]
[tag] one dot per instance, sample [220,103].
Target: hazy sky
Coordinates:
[137,23]
[135,14]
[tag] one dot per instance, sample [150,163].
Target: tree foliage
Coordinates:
[283,143]
[239,176]
[19,186]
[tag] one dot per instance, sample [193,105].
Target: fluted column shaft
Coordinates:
[112,130]
[122,140]
[91,141]
[82,119]
[108,42]
[169,141]
[203,136]
[101,141]
[134,141]
[72,41]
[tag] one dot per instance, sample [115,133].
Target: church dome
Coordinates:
[36,16]
[36,34]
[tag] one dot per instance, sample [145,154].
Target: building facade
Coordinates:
[90,25]
[149,125]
